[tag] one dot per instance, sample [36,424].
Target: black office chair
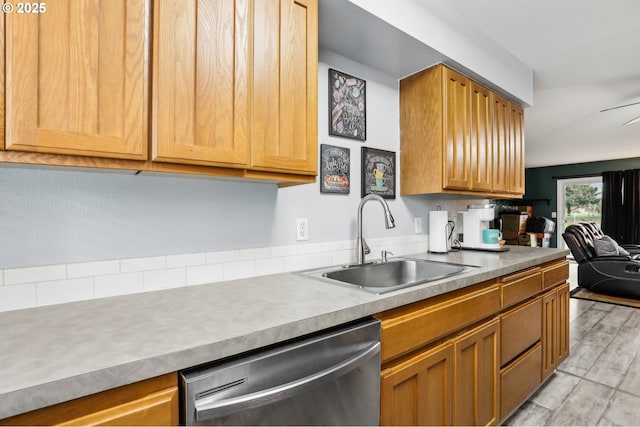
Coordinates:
[617,275]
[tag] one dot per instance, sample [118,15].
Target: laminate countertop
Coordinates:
[60,352]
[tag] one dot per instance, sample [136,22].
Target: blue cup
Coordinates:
[491,236]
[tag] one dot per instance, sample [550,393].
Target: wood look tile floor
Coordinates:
[599,383]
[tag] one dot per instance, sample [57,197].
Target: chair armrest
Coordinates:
[610,258]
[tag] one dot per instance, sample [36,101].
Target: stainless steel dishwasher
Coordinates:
[330,378]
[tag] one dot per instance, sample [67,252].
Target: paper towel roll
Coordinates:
[438,231]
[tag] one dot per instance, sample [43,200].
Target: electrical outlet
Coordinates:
[302,229]
[417,224]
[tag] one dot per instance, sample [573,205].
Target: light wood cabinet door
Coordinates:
[550,331]
[418,391]
[77,79]
[285,91]
[516,149]
[501,132]
[563,322]
[457,144]
[152,402]
[481,140]
[201,75]
[477,373]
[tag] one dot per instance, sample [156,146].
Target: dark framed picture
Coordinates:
[378,172]
[335,165]
[347,106]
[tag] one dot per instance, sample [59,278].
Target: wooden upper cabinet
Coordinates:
[457,146]
[516,149]
[201,55]
[77,79]
[456,136]
[500,115]
[285,88]
[481,138]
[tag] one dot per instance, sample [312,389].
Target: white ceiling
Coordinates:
[585,56]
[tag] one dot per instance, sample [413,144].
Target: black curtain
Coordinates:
[612,209]
[621,205]
[631,206]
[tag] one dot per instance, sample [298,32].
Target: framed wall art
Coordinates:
[335,165]
[378,172]
[347,106]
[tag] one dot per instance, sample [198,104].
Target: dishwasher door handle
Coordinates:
[207,409]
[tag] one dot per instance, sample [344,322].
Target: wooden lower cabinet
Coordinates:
[440,368]
[476,393]
[419,390]
[153,402]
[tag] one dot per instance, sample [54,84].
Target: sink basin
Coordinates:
[388,276]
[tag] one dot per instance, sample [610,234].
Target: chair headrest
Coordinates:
[580,242]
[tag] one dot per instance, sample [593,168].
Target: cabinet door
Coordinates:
[457,156]
[481,139]
[516,149]
[563,322]
[201,82]
[77,79]
[477,370]
[285,88]
[549,332]
[418,391]
[501,132]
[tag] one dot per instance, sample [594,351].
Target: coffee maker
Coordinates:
[474,220]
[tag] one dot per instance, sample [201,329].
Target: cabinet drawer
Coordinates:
[555,273]
[412,326]
[520,328]
[520,286]
[520,379]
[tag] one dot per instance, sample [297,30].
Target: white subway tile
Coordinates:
[1,277]
[280,251]
[270,266]
[61,291]
[296,262]
[186,260]
[96,268]
[332,246]
[143,264]
[165,279]
[239,269]
[324,259]
[119,284]
[348,244]
[35,274]
[310,248]
[17,297]
[342,257]
[222,257]
[255,253]
[205,274]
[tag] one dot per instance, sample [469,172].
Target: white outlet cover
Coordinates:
[417,224]
[302,229]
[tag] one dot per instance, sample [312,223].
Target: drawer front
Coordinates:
[520,286]
[410,327]
[555,273]
[520,379]
[520,328]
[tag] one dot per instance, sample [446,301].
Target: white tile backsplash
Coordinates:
[143,264]
[68,290]
[90,269]
[54,284]
[35,274]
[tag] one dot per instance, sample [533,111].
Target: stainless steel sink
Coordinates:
[387,276]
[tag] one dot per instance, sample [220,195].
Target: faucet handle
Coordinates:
[384,254]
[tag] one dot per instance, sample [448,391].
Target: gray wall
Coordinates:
[53,216]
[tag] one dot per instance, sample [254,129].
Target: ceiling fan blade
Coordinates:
[632,121]
[620,106]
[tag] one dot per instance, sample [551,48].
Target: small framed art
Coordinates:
[378,172]
[335,165]
[347,106]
